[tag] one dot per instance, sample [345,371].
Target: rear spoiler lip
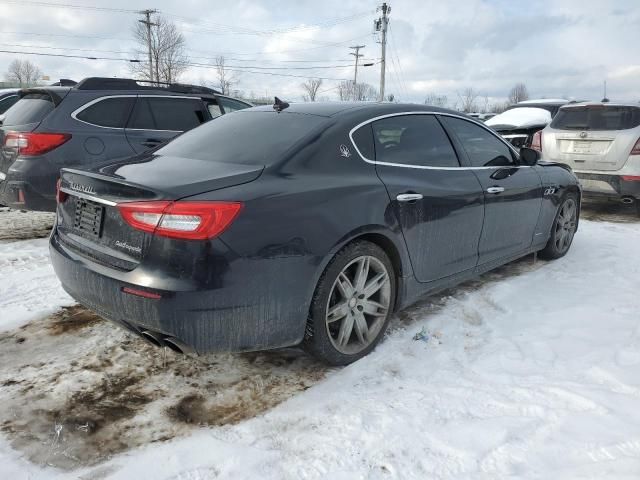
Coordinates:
[54,94]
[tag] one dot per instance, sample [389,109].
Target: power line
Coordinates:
[64,5]
[395,52]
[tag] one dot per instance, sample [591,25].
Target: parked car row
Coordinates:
[48,128]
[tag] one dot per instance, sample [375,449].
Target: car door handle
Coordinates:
[495,190]
[409,197]
[152,142]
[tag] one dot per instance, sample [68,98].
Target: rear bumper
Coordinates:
[607,185]
[240,312]
[30,184]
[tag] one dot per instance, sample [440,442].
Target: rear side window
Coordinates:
[597,118]
[110,112]
[166,113]
[7,102]
[32,108]
[363,138]
[417,140]
[248,137]
[230,105]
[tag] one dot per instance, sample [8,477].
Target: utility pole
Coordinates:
[147,13]
[381,26]
[357,55]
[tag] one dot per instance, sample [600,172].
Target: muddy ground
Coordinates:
[76,390]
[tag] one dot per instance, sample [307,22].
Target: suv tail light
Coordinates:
[636,148]
[536,141]
[31,144]
[184,220]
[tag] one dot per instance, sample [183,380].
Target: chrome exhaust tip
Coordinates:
[152,338]
[177,346]
[628,200]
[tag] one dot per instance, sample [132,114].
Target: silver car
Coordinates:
[601,143]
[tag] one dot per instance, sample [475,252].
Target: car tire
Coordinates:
[563,229]
[352,304]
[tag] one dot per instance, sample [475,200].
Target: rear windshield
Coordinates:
[246,137]
[597,118]
[32,108]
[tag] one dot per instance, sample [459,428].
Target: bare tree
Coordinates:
[168,51]
[24,73]
[226,78]
[311,88]
[468,100]
[436,100]
[359,92]
[518,93]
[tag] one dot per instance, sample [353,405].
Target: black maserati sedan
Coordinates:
[304,224]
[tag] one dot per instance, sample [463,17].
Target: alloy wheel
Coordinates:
[566,225]
[358,304]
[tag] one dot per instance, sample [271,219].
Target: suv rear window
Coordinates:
[32,108]
[248,137]
[597,118]
[109,112]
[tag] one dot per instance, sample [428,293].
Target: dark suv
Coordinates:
[98,119]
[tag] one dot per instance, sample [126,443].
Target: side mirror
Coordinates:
[529,156]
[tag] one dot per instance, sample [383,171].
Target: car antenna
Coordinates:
[279,105]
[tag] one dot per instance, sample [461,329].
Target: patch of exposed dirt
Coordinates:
[78,390]
[72,319]
[608,211]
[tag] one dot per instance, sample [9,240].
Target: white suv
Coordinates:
[601,143]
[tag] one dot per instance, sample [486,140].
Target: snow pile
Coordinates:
[521,117]
[531,372]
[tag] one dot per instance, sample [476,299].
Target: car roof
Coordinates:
[4,91]
[601,104]
[331,109]
[544,101]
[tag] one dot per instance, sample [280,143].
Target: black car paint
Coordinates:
[251,287]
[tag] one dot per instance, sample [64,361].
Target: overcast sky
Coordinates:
[558,48]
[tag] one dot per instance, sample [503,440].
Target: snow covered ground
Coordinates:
[531,372]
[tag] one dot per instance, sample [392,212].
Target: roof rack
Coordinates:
[106,83]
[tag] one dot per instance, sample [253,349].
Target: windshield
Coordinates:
[597,117]
[247,137]
[32,108]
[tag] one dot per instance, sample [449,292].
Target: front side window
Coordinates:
[110,112]
[415,140]
[166,113]
[482,147]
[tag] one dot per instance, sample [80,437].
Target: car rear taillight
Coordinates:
[536,141]
[30,144]
[636,148]
[631,178]
[184,220]
[60,195]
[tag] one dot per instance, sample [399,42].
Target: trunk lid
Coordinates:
[90,223]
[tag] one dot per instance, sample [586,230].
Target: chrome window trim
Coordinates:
[425,167]
[82,108]
[88,197]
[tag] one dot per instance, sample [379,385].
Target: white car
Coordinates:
[601,143]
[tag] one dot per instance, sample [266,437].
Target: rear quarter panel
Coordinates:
[297,215]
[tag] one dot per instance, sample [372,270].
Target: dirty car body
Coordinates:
[294,188]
